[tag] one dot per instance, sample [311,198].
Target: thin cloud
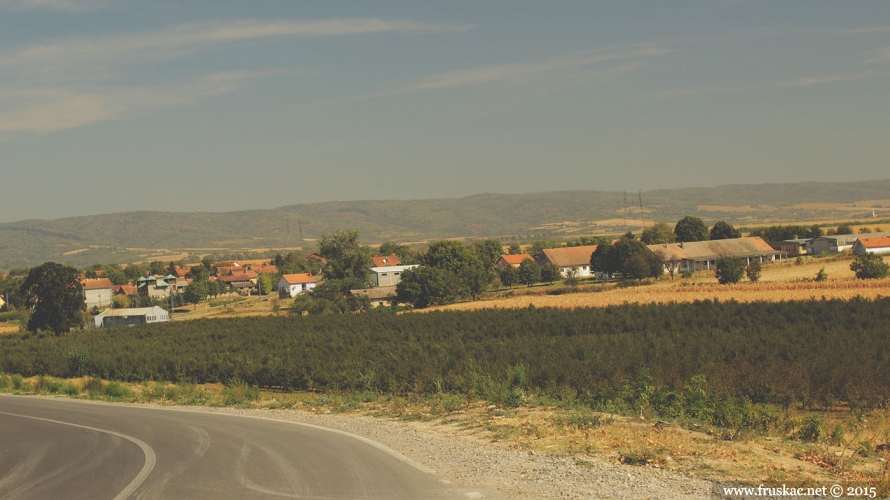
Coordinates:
[798,82]
[62,5]
[56,110]
[878,56]
[188,38]
[501,72]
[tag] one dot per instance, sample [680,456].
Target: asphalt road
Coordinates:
[66,449]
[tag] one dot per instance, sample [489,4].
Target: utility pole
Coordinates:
[625,212]
[300,222]
[642,217]
[286,235]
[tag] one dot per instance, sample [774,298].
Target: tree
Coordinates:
[550,273]
[425,286]
[529,272]
[489,251]
[814,231]
[571,277]
[657,234]
[753,271]
[57,297]
[691,228]
[514,249]
[120,301]
[157,267]
[844,229]
[346,258]
[722,230]
[264,284]
[870,266]
[864,230]
[198,273]
[509,276]
[821,275]
[636,267]
[196,292]
[729,269]
[460,261]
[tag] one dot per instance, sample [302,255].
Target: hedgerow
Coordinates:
[818,352]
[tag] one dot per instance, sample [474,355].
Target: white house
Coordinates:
[97,292]
[566,258]
[879,245]
[291,285]
[131,317]
[389,275]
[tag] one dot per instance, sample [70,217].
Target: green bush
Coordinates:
[4,381]
[18,382]
[117,391]
[811,429]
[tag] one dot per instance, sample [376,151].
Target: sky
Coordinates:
[122,105]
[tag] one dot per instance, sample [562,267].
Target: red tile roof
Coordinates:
[875,242]
[515,260]
[180,272]
[97,283]
[386,261]
[295,279]
[125,289]
[236,278]
[270,269]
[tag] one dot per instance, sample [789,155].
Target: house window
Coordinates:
[384,274]
[396,274]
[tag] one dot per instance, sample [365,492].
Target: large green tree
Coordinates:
[346,257]
[691,228]
[723,230]
[509,276]
[658,233]
[57,297]
[615,258]
[870,266]
[489,251]
[529,272]
[426,286]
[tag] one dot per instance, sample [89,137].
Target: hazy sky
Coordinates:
[119,105]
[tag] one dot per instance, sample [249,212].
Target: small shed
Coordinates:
[389,275]
[131,317]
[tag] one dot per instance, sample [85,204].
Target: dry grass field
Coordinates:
[779,282]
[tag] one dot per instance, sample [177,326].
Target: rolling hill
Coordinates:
[131,236]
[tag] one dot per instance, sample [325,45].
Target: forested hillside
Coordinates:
[112,237]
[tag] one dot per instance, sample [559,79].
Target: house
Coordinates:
[130,317]
[181,272]
[264,269]
[243,281]
[386,261]
[566,258]
[153,286]
[97,292]
[380,296]
[515,260]
[875,244]
[389,275]
[291,285]
[837,243]
[703,255]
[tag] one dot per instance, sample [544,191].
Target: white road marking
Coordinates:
[149,453]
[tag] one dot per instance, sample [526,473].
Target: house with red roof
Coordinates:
[97,292]
[875,244]
[512,260]
[291,285]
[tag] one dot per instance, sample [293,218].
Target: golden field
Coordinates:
[779,282]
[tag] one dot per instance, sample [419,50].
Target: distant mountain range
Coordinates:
[131,236]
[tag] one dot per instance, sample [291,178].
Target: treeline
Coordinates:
[816,352]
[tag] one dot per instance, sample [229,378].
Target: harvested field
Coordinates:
[8,328]
[679,292]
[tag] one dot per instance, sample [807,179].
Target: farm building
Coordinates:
[388,276]
[291,285]
[703,255]
[130,317]
[515,260]
[566,258]
[837,243]
[97,292]
[792,247]
[877,245]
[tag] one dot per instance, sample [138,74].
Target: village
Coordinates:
[152,297]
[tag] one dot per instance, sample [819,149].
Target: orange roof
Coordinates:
[875,242]
[314,255]
[125,289]
[237,277]
[179,272]
[223,270]
[515,260]
[386,261]
[295,279]
[97,283]
[99,272]
[270,269]
[570,256]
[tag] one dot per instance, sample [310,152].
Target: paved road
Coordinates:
[65,449]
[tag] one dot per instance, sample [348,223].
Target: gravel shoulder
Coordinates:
[470,460]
